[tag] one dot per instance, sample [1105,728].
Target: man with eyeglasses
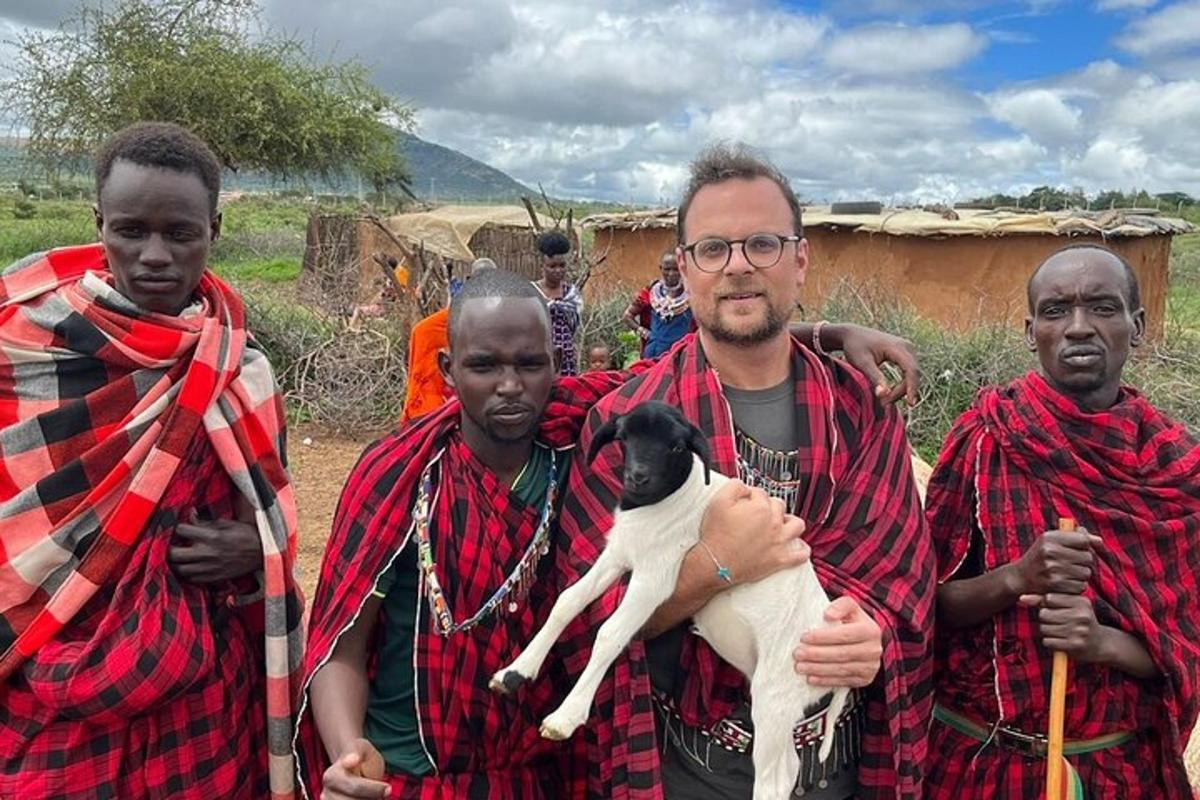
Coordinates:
[806,431]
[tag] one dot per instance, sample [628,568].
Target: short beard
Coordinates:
[768,330]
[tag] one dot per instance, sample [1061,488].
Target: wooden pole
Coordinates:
[1058,709]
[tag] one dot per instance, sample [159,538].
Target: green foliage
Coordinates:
[255,96]
[24,209]
[270,270]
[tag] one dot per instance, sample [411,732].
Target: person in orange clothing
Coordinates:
[426,389]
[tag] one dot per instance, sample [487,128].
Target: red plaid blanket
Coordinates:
[483,744]
[102,408]
[864,524]
[1021,457]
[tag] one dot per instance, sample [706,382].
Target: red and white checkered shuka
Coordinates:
[119,680]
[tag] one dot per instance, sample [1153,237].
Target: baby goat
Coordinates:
[755,626]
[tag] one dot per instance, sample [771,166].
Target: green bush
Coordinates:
[24,209]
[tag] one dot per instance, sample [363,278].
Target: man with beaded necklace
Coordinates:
[444,561]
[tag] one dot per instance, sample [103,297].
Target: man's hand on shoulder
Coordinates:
[846,653]
[868,350]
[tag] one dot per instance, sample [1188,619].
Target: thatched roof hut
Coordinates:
[340,271]
[955,266]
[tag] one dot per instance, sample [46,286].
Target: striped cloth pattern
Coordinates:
[99,405]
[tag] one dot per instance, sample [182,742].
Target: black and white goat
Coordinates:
[754,626]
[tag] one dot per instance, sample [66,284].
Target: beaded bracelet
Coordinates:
[816,339]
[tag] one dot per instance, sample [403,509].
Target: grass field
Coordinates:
[262,238]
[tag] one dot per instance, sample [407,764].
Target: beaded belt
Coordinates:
[735,737]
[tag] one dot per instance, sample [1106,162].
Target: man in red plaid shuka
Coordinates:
[444,562]
[808,431]
[149,624]
[441,565]
[1119,596]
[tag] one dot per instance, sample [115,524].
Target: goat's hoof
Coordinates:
[556,728]
[506,681]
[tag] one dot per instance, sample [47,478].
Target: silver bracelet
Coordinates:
[816,339]
[722,572]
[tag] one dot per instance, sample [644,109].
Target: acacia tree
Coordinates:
[257,97]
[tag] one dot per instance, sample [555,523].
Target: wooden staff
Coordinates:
[1058,709]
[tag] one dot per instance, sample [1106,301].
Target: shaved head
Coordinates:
[1133,293]
[494,284]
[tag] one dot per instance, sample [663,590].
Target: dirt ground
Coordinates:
[318,471]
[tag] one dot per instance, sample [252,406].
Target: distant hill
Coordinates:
[439,173]
[445,174]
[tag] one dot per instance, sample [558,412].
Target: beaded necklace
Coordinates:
[515,587]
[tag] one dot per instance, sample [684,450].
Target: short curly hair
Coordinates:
[553,243]
[165,145]
[722,162]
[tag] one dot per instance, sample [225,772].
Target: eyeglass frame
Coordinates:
[741,243]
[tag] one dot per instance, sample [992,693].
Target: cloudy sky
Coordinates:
[890,99]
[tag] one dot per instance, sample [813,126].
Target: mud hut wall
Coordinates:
[632,262]
[960,280]
[513,249]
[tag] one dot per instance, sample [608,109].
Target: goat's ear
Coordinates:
[604,434]
[698,444]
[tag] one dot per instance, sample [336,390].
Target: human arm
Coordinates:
[211,551]
[847,653]
[1067,622]
[633,314]
[339,692]
[749,534]
[1058,561]
[867,349]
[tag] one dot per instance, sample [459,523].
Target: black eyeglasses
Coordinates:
[761,250]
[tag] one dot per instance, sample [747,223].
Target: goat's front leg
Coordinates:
[574,599]
[643,596]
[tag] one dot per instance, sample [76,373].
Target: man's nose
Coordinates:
[155,251]
[510,383]
[1080,325]
[738,264]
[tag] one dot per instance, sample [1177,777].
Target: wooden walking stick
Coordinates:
[1058,709]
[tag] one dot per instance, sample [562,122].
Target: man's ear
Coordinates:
[1029,340]
[215,227]
[99,220]
[1139,328]
[443,357]
[681,262]
[801,262]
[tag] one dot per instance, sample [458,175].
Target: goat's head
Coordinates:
[659,443]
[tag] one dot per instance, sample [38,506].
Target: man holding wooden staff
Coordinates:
[1118,595]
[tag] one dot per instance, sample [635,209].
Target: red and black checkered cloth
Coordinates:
[868,540]
[114,424]
[1021,457]
[484,745]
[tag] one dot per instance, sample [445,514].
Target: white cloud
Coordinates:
[1042,113]
[1169,30]
[612,98]
[897,49]
[1122,5]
